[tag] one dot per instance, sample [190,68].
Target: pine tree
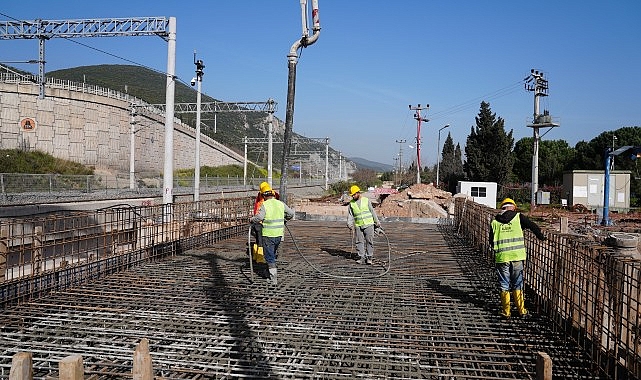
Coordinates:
[489,149]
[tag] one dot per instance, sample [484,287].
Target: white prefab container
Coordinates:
[482,192]
[586,187]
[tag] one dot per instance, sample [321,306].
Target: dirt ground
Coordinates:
[426,201]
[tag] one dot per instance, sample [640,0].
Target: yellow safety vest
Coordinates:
[274,222]
[509,244]
[362,215]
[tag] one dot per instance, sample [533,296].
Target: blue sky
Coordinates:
[375,58]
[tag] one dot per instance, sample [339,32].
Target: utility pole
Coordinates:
[419,119]
[539,85]
[400,158]
[396,172]
[198,79]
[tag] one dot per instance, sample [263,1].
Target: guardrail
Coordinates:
[41,254]
[8,77]
[589,291]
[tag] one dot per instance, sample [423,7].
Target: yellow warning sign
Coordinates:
[28,124]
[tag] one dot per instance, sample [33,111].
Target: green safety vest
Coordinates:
[509,244]
[274,222]
[362,215]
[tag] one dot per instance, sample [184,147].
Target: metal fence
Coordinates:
[17,183]
[591,292]
[40,254]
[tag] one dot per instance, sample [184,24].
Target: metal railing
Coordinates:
[589,291]
[9,77]
[17,183]
[40,254]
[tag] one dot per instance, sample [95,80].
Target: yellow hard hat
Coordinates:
[507,201]
[264,186]
[353,190]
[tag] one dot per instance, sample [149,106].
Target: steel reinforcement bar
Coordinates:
[425,309]
[591,292]
[55,251]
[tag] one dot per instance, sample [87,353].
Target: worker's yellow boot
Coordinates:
[254,251]
[505,304]
[519,300]
[260,257]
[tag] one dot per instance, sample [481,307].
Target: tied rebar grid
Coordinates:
[434,315]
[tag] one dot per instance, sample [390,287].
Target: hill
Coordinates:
[232,127]
[378,167]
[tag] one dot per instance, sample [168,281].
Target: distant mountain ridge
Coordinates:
[363,163]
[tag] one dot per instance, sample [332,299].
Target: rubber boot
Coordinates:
[260,257]
[519,300]
[254,252]
[273,276]
[505,304]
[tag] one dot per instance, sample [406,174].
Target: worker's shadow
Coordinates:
[340,252]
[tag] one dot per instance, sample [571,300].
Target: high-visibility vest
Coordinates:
[360,209]
[274,222]
[509,244]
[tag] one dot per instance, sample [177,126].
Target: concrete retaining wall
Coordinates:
[95,130]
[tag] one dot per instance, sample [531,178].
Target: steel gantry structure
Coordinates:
[268,107]
[109,27]
[295,141]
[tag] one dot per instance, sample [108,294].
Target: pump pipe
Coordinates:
[292,60]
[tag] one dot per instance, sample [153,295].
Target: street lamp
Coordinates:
[438,154]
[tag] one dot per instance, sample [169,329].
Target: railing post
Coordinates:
[21,366]
[142,366]
[70,368]
[543,366]
[37,250]
[4,251]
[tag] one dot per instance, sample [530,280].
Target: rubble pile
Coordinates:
[418,201]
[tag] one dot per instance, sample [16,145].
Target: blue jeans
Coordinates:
[270,246]
[510,275]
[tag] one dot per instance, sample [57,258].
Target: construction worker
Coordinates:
[506,238]
[362,218]
[257,228]
[272,214]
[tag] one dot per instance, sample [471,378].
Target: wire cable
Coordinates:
[378,232]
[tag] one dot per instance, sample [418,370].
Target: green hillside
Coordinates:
[149,86]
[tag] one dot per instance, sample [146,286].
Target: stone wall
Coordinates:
[95,130]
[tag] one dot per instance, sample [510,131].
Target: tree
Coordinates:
[366,178]
[451,167]
[555,156]
[489,149]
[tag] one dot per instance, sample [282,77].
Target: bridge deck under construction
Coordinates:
[427,308]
